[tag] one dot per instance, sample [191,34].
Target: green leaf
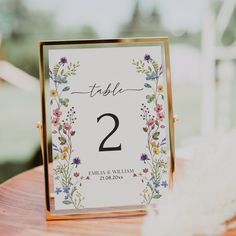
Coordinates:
[150,186]
[64,131]
[145,129]
[155,135]
[163,151]
[157,196]
[67,88]
[149,68]
[67,202]
[61,139]
[150,98]
[147,85]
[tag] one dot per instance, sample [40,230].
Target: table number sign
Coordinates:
[107,109]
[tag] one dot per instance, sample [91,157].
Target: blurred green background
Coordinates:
[24,23]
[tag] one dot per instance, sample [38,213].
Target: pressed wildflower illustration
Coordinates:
[153,115]
[66,162]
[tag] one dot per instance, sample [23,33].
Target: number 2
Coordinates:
[116,120]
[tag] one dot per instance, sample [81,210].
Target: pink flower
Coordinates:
[145,170]
[158,108]
[55,121]
[76,174]
[160,116]
[150,122]
[67,126]
[57,112]
[87,178]
[162,126]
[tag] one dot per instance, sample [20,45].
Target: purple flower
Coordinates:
[76,161]
[58,190]
[143,157]
[164,183]
[147,57]
[66,189]
[63,60]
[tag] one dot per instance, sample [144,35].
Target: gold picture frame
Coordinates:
[51,214]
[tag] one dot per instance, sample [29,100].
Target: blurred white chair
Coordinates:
[18,77]
[213,118]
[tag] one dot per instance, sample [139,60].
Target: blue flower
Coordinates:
[157,184]
[164,183]
[152,76]
[66,189]
[148,77]
[58,190]
[61,80]
[155,75]
[143,157]
[66,196]
[147,57]
[63,60]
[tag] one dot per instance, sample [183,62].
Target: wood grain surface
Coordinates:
[22,212]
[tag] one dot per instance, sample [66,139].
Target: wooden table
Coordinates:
[22,213]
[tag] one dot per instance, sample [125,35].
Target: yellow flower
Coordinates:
[153,144]
[53,93]
[65,149]
[60,169]
[156,151]
[63,155]
[160,88]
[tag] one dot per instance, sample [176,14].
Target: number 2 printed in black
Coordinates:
[116,120]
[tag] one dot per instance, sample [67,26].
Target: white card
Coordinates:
[109,126]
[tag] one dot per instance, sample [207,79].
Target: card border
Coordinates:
[44,145]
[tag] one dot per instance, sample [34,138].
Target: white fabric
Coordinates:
[205,197]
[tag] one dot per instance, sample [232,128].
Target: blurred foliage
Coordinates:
[229,35]
[151,25]
[22,27]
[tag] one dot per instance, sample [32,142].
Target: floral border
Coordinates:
[153,115]
[63,118]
